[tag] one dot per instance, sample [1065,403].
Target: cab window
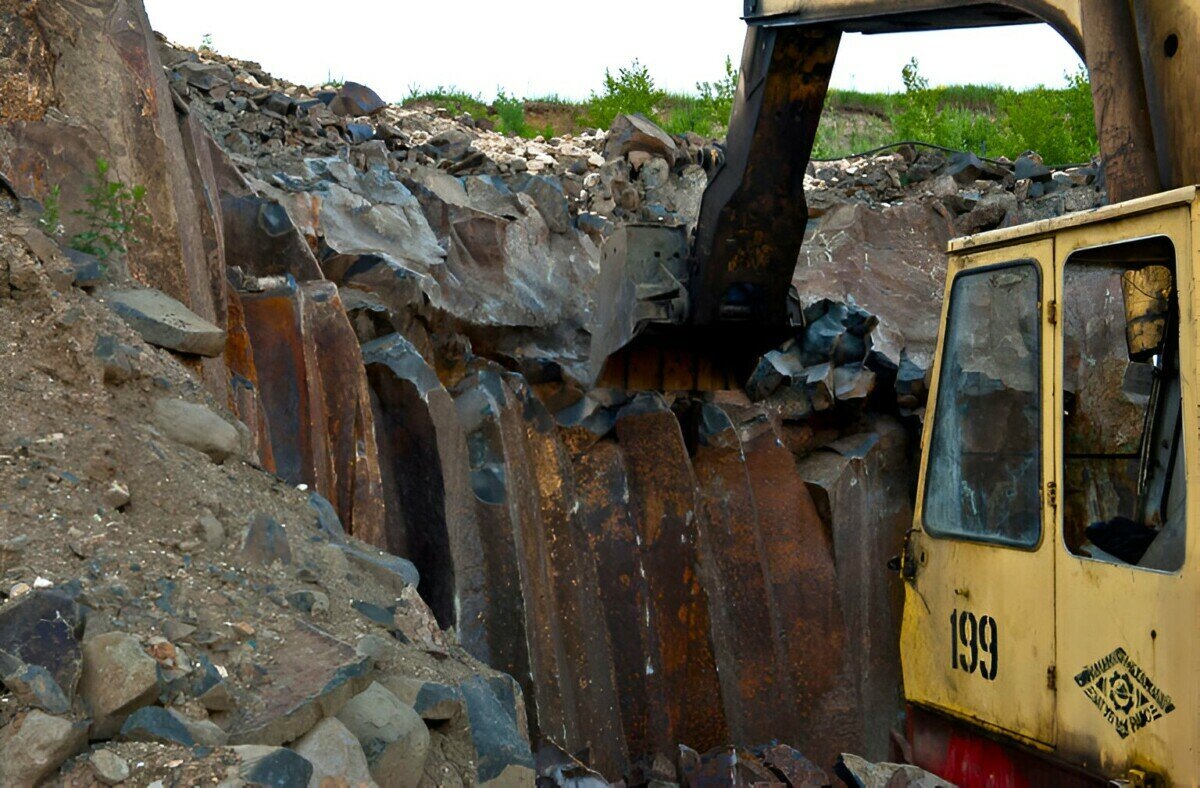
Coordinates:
[983,477]
[1123,483]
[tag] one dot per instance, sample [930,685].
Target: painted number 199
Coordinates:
[974,644]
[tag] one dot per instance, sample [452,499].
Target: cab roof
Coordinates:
[1022,232]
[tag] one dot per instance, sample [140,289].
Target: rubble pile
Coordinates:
[294,488]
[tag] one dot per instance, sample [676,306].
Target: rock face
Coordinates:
[388,313]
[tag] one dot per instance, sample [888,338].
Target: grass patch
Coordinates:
[986,119]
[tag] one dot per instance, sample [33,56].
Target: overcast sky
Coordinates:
[541,48]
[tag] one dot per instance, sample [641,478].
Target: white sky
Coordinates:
[540,48]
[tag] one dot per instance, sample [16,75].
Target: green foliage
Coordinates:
[114,216]
[511,113]
[1059,124]
[631,91]
[50,222]
[457,101]
[995,121]
[206,43]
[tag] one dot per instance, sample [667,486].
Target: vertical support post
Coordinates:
[753,216]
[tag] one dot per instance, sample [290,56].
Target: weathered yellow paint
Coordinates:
[1014,586]
[1056,609]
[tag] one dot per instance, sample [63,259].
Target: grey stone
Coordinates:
[266,542]
[327,517]
[163,321]
[389,570]
[119,361]
[433,701]
[860,773]
[637,133]
[334,753]
[42,629]
[118,678]
[34,686]
[276,767]
[356,101]
[392,735]
[108,767]
[197,427]
[156,724]
[211,529]
[501,752]
[34,745]
[551,201]
[210,689]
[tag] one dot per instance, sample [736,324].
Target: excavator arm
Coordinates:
[733,301]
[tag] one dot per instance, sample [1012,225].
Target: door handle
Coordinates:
[905,563]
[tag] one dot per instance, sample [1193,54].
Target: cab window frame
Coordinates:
[1059,385]
[1028,261]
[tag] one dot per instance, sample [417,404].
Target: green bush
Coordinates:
[995,121]
[115,215]
[631,91]
[511,114]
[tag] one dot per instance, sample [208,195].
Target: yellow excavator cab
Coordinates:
[1052,571]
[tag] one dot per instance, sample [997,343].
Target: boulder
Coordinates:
[355,101]
[41,630]
[34,686]
[156,724]
[272,766]
[392,735]
[197,427]
[266,542]
[502,754]
[335,754]
[859,773]
[118,678]
[166,323]
[33,745]
[108,767]
[630,133]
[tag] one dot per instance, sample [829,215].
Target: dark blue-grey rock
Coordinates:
[492,709]
[393,736]
[327,517]
[42,629]
[34,686]
[272,767]
[355,101]
[163,321]
[266,542]
[390,570]
[209,688]
[89,271]
[119,361]
[1031,168]
[156,724]
[360,132]
[551,201]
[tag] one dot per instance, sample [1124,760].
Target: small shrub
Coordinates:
[206,43]
[1059,124]
[50,222]
[718,96]
[114,216]
[631,91]
[511,113]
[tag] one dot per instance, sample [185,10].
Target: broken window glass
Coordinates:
[983,477]
[1123,483]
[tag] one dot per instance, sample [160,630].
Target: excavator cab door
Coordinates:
[978,638]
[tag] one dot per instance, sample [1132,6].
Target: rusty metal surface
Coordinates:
[805,604]
[662,494]
[273,323]
[867,503]
[586,679]
[346,460]
[754,214]
[735,559]
[244,398]
[612,537]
